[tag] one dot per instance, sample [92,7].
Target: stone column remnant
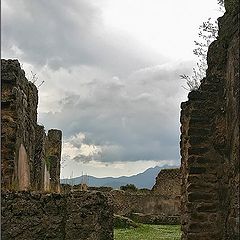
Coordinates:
[33,215]
[39,156]
[53,157]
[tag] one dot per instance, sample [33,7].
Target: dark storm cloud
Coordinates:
[129,119]
[82,158]
[132,116]
[65,33]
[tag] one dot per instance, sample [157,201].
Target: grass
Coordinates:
[149,232]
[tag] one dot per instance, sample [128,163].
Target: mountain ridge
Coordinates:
[144,179]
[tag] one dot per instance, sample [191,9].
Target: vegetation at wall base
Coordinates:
[129,187]
[121,222]
[149,232]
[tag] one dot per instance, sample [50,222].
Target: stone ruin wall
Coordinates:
[18,124]
[24,143]
[30,160]
[162,200]
[126,203]
[168,183]
[210,141]
[73,216]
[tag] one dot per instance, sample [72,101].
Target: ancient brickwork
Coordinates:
[73,216]
[159,205]
[155,219]
[168,183]
[23,160]
[53,157]
[151,207]
[210,141]
[39,155]
[19,119]
[126,203]
[89,217]
[30,160]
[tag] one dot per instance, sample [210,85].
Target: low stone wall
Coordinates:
[126,203]
[101,189]
[37,216]
[158,209]
[65,188]
[155,219]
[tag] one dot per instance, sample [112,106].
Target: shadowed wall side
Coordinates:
[210,141]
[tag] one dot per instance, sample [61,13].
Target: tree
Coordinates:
[208,32]
[130,187]
[34,78]
[221,3]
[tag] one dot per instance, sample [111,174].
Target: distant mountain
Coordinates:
[145,179]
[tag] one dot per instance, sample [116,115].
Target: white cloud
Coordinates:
[76,148]
[116,169]
[111,72]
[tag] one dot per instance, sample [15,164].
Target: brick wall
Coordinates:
[210,141]
[73,216]
[126,202]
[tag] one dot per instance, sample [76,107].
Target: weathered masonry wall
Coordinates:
[162,200]
[161,205]
[168,183]
[30,160]
[53,156]
[39,163]
[126,203]
[156,206]
[210,141]
[23,142]
[75,216]
[19,103]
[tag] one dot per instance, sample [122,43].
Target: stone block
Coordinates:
[34,215]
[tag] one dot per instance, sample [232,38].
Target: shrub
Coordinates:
[130,187]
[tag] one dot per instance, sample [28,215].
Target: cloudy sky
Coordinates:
[111,75]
